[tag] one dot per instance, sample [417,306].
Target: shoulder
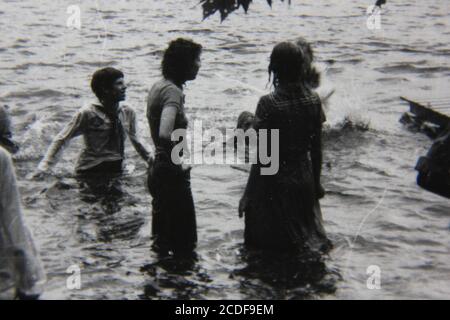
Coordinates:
[315,98]
[87,109]
[164,91]
[164,85]
[266,100]
[168,88]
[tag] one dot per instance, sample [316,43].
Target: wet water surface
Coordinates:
[374,212]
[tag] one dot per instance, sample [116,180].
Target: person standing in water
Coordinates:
[104,125]
[21,273]
[174,225]
[282,211]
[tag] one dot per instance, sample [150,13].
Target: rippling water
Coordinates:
[374,212]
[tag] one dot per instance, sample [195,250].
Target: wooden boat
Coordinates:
[423,117]
[434,168]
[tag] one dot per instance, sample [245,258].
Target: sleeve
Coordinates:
[171,97]
[172,104]
[132,134]
[73,129]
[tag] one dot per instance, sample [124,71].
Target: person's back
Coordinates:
[282,211]
[295,112]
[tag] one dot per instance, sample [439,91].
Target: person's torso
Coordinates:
[103,139]
[296,114]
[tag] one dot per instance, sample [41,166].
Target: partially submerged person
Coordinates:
[245,120]
[174,226]
[312,76]
[244,123]
[6,140]
[282,211]
[21,272]
[104,125]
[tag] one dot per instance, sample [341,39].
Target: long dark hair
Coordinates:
[178,59]
[286,64]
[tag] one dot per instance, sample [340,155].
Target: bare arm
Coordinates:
[138,146]
[168,116]
[171,100]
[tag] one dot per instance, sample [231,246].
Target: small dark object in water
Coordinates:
[434,168]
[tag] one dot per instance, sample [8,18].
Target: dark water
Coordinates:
[374,212]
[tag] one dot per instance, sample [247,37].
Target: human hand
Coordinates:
[243,206]
[186,167]
[320,191]
[40,172]
[37,175]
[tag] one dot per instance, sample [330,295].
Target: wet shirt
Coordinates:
[101,143]
[163,94]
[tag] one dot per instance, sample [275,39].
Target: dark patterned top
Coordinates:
[297,113]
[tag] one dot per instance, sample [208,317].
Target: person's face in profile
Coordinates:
[195,67]
[118,91]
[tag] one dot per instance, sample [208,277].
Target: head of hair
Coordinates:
[312,76]
[103,80]
[242,119]
[286,64]
[178,59]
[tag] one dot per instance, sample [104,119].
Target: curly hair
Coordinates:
[103,79]
[178,58]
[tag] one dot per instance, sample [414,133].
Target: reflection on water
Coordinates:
[285,276]
[175,277]
[264,276]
